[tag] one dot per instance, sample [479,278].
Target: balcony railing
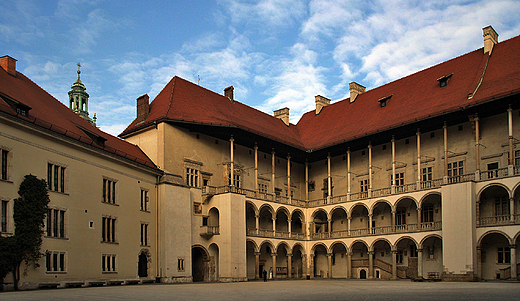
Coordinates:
[412,187]
[209,231]
[498,220]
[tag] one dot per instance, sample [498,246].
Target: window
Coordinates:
[312,186]
[363,186]
[145,200]
[399,179]
[108,263]
[55,223]
[180,264]
[400,256]
[144,234]
[427,214]
[4,164]
[237,180]
[262,187]
[430,252]
[3,226]
[456,169]
[109,191]
[517,157]
[413,251]
[325,188]
[192,177]
[501,206]
[426,174]
[108,229]
[492,170]
[56,177]
[504,255]
[197,208]
[55,261]
[400,217]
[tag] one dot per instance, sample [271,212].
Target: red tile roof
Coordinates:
[413,98]
[49,113]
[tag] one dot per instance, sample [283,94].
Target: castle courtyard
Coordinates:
[284,290]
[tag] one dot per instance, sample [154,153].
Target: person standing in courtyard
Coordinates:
[265,275]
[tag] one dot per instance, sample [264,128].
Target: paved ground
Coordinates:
[284,290]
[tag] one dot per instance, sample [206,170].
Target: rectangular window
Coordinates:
[237,180]
[4,164]
[192,177]
[517,157]
[55,223]
[55,262]
[426,174]
[144,234]
[145,200]
[456,169]
[55,177]
[400,255]
[501,206]
[400,217]
[3,226]
[197,208]
[427,214]
[109,191]
[492,170]
[263,188]
[504,255]
[108,229]
[180,264]
[399,179]
[108,263]
[363,185]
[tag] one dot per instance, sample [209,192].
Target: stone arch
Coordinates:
[320,221]
[317,244]
[420,245]
[380,201]
[213,217]
[299,265]
[407,237]
[479,242]
[319,252]
[144,263]
[285,245]
[298,245]
[253,206]
[297,222]
[493,205]
[495,255]
[338,252]
[255,245]
[300,212]
[251,214]
[199,263]
[267,242]
[427,195]
[269,208]
[492,185]
[282,219]
[284,209]
[359,241]
[349,212]
[339,220]
[371,247]
[266,214]
[381,212]
[214,262]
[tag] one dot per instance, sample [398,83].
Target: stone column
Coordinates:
[273,176]
[512,209]
[310,270]
[257,223]
[306,180]
[479,263]
[511,139]
[329,262]
[370,224]
[257,265]
[329,181]
[289,228]
[349,265]
[273,256]
[329,224]
[256,167]
[232,167]
[514,272]
[477,146]
[419,218]
[349,176]
[393,219]
[370,264]
[289,177]
[393,164]
[394,264]
[274,223]
[289,265]
[420,263]
[445,129]
[418,159]
[370,169]
[349,218]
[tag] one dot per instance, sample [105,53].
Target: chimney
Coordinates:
[228,92]
[8,64]
[143,107]
[355,90]
[283,115]
[321,102]
[490,39]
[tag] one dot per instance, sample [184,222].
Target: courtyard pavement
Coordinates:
[284,290]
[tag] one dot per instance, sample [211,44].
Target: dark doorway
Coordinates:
[142,269]
[197,266]
[362,274]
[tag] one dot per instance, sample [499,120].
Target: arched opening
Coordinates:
[297,262]
[431,212]
[266,222]
[381,218]
[282,223]
[493,206]
[213,217]
[407,259]
[339,261]
[142,266]
[266,259]
[432,261]
[198,264]
[250,217]
[359,221]
[297,220]
[321,227]
[383,259]
[495,256]
[321,265]
[251,260]
[405,214]
[213,262]
[359,258]
[362,274]
[339,223]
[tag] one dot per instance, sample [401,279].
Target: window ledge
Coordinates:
[113,204]
[109,272]
[60,238]
[148,246]
[109,242]
[147,211]
[55,272]
[6,181]
[58,192]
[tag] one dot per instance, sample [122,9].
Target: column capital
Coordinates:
[231,139]
[395,251]
[370,252]
[258,253]
[512,246]
[419,250]
[256,146]
[289,254]
[274,254]
[330,254]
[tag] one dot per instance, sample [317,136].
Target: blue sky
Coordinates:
[275,53]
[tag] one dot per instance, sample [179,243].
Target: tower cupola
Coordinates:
[78,99]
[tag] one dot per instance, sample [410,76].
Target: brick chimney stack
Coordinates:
[490,39]
[143,107]
[8,64]
[355,90]
[321,102]
[283,115]
[228,92]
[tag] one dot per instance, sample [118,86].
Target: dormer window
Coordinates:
[443,81]
[20,108]
[21,111]
[383,101]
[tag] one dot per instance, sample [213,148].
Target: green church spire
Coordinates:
[78,99]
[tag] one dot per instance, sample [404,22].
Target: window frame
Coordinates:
[108,263]
[56,177]
[110,191]
[109,229]
[56,262]
[145,231]
[4,222]
[56,222]
[145,200]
